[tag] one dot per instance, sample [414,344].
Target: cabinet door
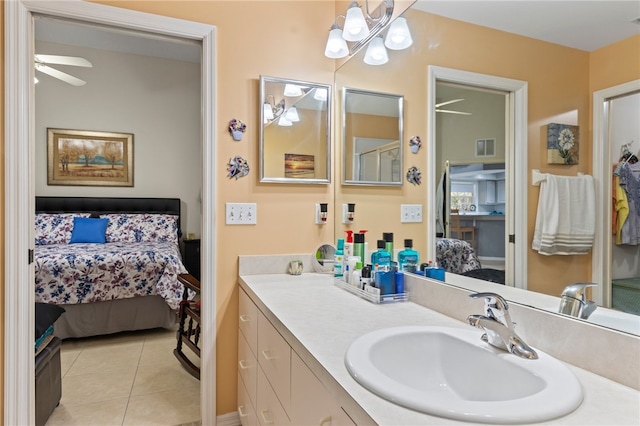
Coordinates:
[247,368]
[274,356]
[248,320]
[500,192]
[311,403]
[268,409]
[245,406]
[487,191]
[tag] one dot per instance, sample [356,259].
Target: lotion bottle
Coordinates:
[338,259]
[356,275]
[348,244]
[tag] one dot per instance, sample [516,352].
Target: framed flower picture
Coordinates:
[563,144]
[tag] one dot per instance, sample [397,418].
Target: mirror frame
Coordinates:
[400,99]
[327,141]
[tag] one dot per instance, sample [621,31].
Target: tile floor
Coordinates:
[125,379]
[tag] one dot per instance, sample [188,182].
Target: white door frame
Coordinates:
[602,163]
[516,153]
[19,380]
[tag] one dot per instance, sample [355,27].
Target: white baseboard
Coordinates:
[229,419]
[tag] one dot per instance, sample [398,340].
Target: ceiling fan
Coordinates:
[42,63]
[448,111]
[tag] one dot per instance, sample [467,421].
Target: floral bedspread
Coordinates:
[83,273]
[456,256]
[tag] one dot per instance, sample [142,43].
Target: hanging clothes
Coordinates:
[629,180]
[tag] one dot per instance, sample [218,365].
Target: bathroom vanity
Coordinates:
[295,331]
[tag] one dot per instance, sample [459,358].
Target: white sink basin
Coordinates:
[450,372]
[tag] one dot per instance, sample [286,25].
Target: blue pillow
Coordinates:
[88,230]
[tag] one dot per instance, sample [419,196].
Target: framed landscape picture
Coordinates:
[299,166]
[81,157]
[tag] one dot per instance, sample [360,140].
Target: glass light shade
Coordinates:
[282,121]
[336,46]
[292,115]
[376,53]
[320,94]
[267,112]
[292,90]
[398,36]
[355,26]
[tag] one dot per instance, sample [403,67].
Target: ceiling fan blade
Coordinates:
[74,81]
[447,111]
[63,60]
[448,102]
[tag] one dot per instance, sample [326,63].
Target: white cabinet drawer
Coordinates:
[274,356]
[268,409]
[248,320]
[245,406]
[311,403]
[247,368]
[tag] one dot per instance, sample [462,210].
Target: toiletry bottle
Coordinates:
[388,239]
[358,245]
[338,259]
[348,244]
[381,257]
[365,277]
[365,253]
[350,266]
[408,258]
[356,276]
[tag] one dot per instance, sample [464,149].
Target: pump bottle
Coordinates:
[348,244]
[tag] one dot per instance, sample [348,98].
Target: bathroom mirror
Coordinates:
[323,258]
[371,137]
[450,43]
[295,131]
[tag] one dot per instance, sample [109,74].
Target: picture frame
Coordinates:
[89,158]
[563,144]
[299,166]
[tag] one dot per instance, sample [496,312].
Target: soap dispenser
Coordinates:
[348,244]
[408,258]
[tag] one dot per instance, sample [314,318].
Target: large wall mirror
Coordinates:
[295,129]
[372,137]
[521,145]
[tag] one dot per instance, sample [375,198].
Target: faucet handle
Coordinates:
[495,306]
[578,290]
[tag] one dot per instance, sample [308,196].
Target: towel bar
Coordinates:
[537,177]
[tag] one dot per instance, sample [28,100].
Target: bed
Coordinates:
[459,257]
[111,263]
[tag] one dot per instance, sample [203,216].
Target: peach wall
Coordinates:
[2,207]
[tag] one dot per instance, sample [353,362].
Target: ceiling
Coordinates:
[584,25]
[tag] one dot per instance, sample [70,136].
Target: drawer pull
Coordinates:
[325,420]
[241,411]
[265,417]
[243,364]
[267,356]
[245,318]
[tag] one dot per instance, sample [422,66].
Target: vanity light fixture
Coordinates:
[376,53]
[272,110]
[320,94]
[359,27]
[398,37]
[282,121]
[292,90]
[292,115]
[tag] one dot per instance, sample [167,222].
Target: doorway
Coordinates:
[608,140]
[20,195]
[515,118]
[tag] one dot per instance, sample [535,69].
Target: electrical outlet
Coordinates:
[241,214]
[411,213]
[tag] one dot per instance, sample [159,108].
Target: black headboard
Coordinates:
[105,205]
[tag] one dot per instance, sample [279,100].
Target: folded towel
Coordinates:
[566,221]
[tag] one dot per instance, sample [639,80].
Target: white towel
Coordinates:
[566,218]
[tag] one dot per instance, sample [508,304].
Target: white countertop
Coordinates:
[320,320]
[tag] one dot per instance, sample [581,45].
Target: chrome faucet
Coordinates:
[574,301]
[498,327]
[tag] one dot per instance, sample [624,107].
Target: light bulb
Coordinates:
[292,115]
[376,53]
[355,26]
[292,90]
[282,121]
[267,112]
[398,36]
[320,94]
[336,46]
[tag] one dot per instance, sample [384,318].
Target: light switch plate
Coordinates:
[241,214]
[411,213]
